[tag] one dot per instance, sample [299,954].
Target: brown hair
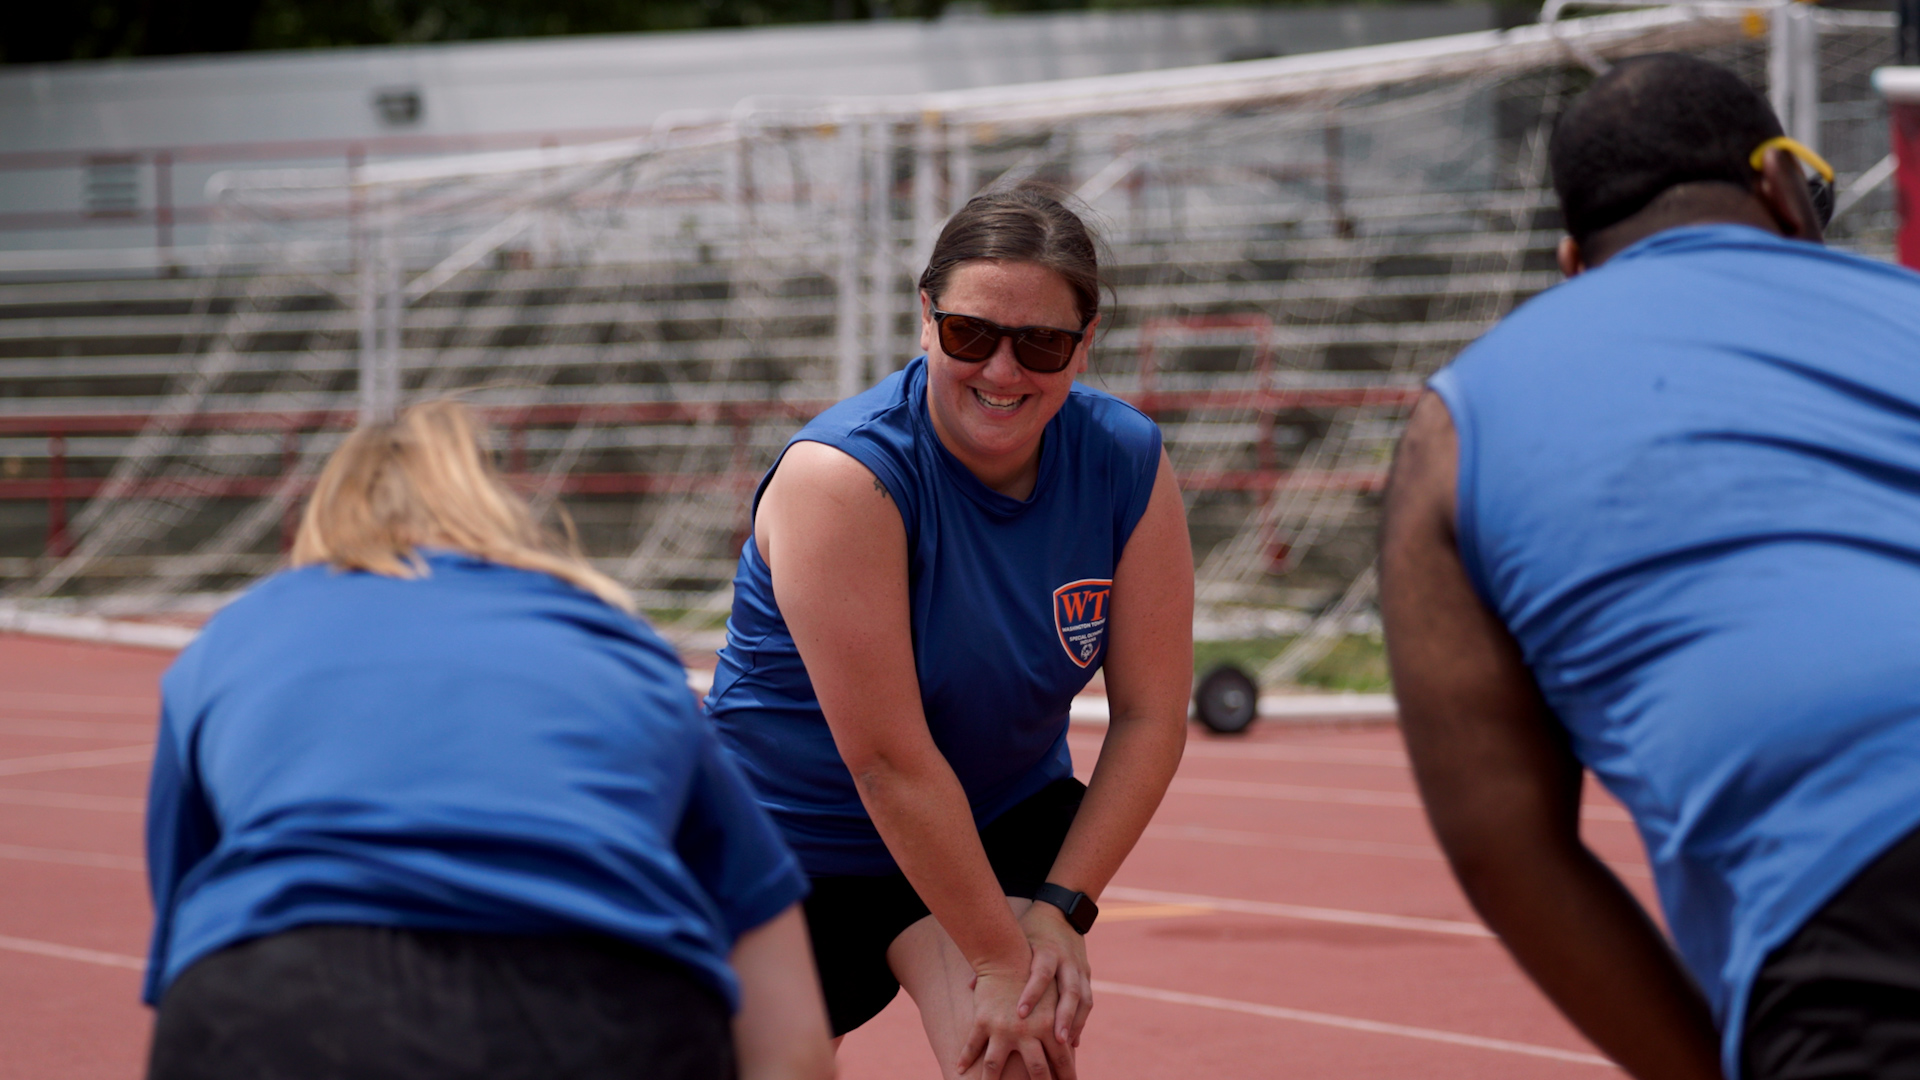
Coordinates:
[425,479]
[1025,223]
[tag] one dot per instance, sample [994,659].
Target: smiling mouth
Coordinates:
[999,404]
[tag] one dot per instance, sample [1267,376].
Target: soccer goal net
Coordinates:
[1295,244]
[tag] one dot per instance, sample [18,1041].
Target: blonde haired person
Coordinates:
[433,803]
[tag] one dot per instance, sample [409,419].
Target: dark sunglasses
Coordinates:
[1821,191]
[1037,348]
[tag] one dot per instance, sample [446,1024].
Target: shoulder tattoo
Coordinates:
[881,488]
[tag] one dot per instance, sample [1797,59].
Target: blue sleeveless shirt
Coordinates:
[1009,614]
[1689,483]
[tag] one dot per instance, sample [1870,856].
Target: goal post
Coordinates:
[1295,244]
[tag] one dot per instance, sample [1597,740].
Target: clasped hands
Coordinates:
[1037,1012]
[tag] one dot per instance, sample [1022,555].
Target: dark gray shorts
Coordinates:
[377,1003]
[1841,999]
[853,920]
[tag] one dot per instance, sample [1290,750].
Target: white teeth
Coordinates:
[997,403]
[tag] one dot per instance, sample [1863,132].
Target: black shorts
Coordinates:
[376,1003]
[854,919]
[1842,997]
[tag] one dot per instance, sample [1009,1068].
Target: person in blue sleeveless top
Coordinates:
[937,567]
[434,804]
[1664,522]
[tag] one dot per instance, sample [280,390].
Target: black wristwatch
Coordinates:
[1079,909]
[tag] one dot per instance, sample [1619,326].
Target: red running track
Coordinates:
[1287,912]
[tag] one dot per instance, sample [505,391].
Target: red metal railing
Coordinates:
[641,412]
[58,487]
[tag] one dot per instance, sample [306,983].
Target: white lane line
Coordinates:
[1248,789]
[76,729]
[68,952]
[166,637]
[1240,838]
[76,759]
[1093,710]
[1315,755]
[1328,706]
[1318,755]
[1351,1023]
[62,800]
[72,858]
[87,703]
[1297,911]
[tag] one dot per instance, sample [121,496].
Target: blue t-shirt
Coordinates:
[484,749]
[1008,604]
[1689,484]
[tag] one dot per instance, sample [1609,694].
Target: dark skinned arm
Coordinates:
[1502,788]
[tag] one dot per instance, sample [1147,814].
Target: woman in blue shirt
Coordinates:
[937,567]
[434,804]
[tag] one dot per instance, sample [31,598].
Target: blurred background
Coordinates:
[652,239]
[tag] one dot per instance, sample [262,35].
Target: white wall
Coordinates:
[215,113]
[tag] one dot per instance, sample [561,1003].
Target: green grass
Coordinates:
[669,616]
[1249,656]
[1357,663]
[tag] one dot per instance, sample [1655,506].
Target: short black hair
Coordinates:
[1649,123]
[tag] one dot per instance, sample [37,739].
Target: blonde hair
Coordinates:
[425,479]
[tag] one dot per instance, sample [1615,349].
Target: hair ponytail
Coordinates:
[424,479]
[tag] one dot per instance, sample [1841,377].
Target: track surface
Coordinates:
[1287,913]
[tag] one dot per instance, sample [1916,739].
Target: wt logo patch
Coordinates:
[1080,614]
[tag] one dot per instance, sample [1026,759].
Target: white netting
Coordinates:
[1295,244]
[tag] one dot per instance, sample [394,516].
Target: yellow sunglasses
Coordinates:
[1819,185]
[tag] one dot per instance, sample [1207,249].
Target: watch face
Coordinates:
[1082,914]
[1079,909]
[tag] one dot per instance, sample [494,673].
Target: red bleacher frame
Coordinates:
[57,487]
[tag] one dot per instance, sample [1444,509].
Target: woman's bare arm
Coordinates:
[837,549]
[1149,674]
[780,1032]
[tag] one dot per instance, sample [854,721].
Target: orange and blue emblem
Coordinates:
[1080,615]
